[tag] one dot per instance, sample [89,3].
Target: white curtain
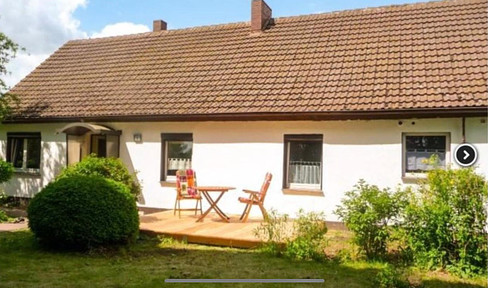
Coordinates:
[17,150]
[304,172]
[179,164]
[418,161]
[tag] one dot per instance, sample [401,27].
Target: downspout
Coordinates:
[463,140]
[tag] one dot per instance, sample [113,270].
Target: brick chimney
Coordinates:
[260,15]
[159,25]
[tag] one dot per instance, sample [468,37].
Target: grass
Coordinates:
[151,260]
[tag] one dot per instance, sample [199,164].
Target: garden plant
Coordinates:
[110,168]
[83,212]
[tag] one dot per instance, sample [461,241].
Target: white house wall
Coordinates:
[53,158]
[239,154]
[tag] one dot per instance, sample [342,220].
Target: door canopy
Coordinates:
[82,128]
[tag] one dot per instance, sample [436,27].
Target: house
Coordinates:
[320,101]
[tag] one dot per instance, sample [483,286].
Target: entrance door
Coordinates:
[84,138]
[77,148]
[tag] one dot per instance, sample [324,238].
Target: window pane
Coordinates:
[33,153]
[419,149]
[426,143]
[112,146]
[304,165]
[179,156]
[99,145]
[17,152]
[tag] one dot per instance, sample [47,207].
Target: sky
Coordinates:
[42,26]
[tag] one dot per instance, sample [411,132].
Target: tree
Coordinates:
[8,50]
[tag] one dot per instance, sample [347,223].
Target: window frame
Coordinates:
[287,138]
[417,175]
[24,135]
[165,137]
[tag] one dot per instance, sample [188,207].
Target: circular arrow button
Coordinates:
[465,155]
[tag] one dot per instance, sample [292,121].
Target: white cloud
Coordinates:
[21,66]
[121,28]
[42,26]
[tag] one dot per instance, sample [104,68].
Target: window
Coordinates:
[303,162]
[24,151]
[418,148]
[176,153]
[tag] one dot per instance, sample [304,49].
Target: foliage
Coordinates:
[308,241]
[3,198]
[273,231]
[3,216]
[8,49]
[445,222]
[6,171]
[304,241]
[83,212]
[167,241]
[110,168]
[389,277]
[368,212]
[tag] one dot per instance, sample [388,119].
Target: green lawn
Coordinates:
[149,262]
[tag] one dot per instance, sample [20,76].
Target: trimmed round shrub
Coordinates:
[6,171]
[83,212]
[110,168]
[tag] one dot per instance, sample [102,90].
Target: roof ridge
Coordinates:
[186,29]
[238,23]
[370,9]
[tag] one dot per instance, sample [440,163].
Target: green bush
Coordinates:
[3,216]
[368,211]
[6,171]
[110,168]
[83,212]
[273,231]
[308,241]
[389,277]
[305,240]
[445,222]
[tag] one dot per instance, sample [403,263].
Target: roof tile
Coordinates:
[419,56]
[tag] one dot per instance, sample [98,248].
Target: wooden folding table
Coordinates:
[206,190]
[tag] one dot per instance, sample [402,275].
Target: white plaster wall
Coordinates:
[53,158]
[239,154]
[476,133]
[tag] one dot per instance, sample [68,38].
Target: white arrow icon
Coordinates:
[468,153]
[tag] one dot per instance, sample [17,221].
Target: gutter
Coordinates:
[267,116]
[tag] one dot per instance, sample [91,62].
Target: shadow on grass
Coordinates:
[150,261]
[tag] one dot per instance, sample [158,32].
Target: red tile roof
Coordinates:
[425,56]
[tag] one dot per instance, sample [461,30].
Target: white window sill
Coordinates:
[28,172]
[414,177]
[168,184]
[303,192]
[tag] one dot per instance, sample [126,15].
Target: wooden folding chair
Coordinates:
[256,198]
[186,181]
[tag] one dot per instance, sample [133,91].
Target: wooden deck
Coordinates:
[212,231]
